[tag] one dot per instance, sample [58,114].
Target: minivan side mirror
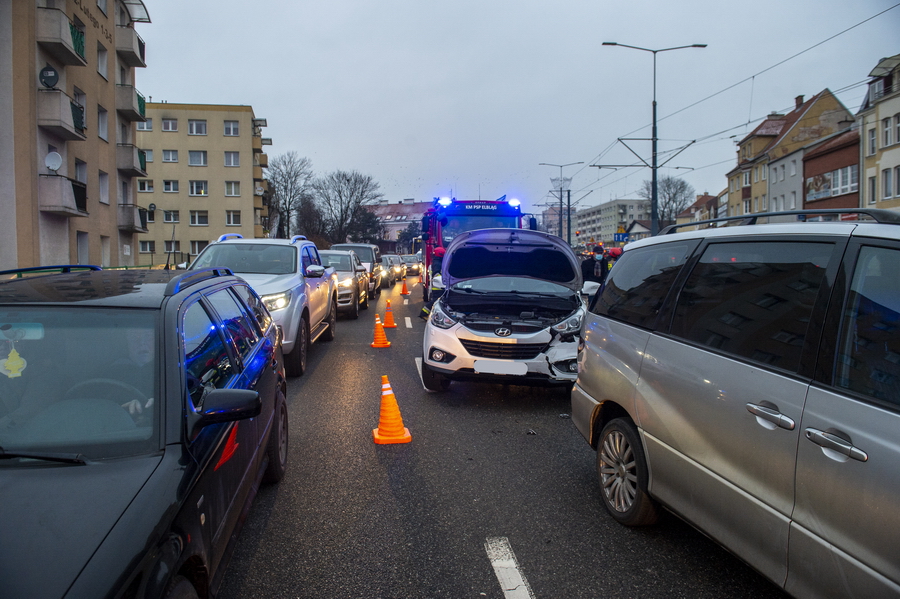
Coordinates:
[315,271]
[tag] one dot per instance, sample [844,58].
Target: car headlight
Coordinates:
[570,324]
[277,301]
[440,319]
[347,283]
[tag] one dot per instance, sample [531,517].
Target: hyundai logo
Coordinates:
[502,332]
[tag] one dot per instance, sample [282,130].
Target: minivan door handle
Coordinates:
[835,443]
[771,415]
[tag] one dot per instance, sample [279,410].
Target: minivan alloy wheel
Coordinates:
[624,475]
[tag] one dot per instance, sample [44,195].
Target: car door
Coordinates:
[721,396]
[316,287]
[847,512]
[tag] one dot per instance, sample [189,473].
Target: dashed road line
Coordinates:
[408,321]
[506,567]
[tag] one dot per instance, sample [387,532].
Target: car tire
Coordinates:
[180,588]
[432,380]
[277,449]
[380,284]
[328,335]
[623,473]
[354,306]
[295,362]
[365,303]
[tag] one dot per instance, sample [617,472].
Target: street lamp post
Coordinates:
[654,188]
[569,219]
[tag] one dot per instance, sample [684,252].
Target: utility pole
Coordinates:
[561,184]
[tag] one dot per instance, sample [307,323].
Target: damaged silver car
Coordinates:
[511,311]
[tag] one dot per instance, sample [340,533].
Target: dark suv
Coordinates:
[747,378]
[139,411]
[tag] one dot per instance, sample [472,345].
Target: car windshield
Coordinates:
[250,258]
[410,259]
[78,381]
[514,285]
[365,253]
[340,262]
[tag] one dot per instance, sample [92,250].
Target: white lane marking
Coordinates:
[408,322]
[405,301]
[506,567]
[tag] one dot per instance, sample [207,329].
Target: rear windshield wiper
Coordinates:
[65,458]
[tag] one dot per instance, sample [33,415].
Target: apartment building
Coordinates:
[603,222]
[879,127]
[68,108]
[204,178]
[831,170]
[773,140]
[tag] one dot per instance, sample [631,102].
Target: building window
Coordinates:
[170,124]
[232,159]
[887,184]
[756,174]
[897,181]
[747,179]
[746,207]
[170,216]
[197,157]
[199,188]
[897,128]
[104,188]
[197,247]
[232,188]
[148,247]
[102,58]
[845,180]
[199,218]
[231,128]
[886,130]
[196,127]
[173,246]
[765,170]
[170,155]
[146,125]
[782,173]
[102,123]
[151,216]
[101,4]
[872,139]
[793,205]
[233,218]
[170,186]
[873,187]
[793,168]
[145,185]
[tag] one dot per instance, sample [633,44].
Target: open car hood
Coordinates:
[511,253]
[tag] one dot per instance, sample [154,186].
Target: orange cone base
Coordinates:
[404,291]
[381,342]
[386,440]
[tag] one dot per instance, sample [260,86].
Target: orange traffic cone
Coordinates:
[389,317]
[380,337]
[390,423]
[404,291]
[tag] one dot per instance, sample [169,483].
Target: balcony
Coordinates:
[132,218]
[62,196]
[131,161]
[130,47]
[58,114]
[257,173]
[262,160]
[257,143]
[59,37]
[130,103]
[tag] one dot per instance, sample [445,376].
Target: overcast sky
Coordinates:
[469,96]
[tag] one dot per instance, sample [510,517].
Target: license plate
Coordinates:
[499,367]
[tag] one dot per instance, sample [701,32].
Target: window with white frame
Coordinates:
[102,59]
[101,4]
[793,168]
[872,142]
[170,155]
[793,205]
[782,173]
[170,216]
[897,181]
[231,128]
[197,247]
[765,171]
[845,180]
[197,157]
[873,188]
[199,218]
[897,128]
[170,186]
[764,204]
[887,184]
[148,247]
[145,185]
[104,187]
[146,125]
[232,159]
[233,218]
[232,188]
[170,124]
[172,246]
[151,216]
[102,123]
[148,155]
[746,207]
[756,174]
[199,188]
[886,131]
[747,179]
[196,127]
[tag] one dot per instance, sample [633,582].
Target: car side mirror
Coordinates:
[315,271]
[229,405]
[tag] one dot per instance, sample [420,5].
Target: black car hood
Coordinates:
[55,516]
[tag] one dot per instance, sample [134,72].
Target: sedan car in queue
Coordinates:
[139,412]
[414,266]
[510,312]
[353,281]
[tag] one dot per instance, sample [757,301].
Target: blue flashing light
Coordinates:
[445,202]
[514,202]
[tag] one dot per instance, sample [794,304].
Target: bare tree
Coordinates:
[340,196]
[674,195]
[289,176]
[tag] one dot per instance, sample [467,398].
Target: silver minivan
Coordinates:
[747,378]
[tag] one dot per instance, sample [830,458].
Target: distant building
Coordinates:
[604,221]
[879,127]
[706,207]
[204,178]
[831,171]
[68,105]
[395,218]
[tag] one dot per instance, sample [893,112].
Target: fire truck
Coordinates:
[448,217]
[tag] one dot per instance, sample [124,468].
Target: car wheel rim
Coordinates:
[618,472]
[283,438]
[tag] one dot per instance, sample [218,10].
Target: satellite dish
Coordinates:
[151,207]
[49,76]
[53,161]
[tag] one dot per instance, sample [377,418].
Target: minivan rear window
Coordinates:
[365,253]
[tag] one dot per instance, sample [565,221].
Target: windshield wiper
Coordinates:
[65,458]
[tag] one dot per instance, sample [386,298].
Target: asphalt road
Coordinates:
[488,467]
